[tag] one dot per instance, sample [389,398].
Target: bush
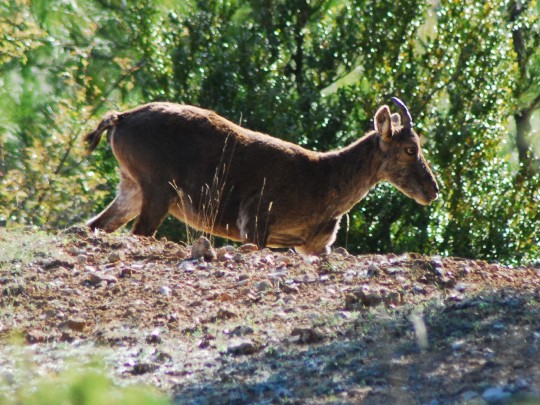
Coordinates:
[310,72]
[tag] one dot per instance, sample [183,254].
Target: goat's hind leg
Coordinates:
[156,203]
[125,206]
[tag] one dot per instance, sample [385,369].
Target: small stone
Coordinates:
[225,257]
[82,259]
[457,345]
[242,283]
[283,261]
[144,368]
[240,347]
[342,315]
[224,313]
[74,250]
[307,335]
[182,253]
[164,290]
[495,395]
[115,257]
[262,286]
[248,247]
[341,251]
[35,336]
[311,259]
[203,248]
[363,297]
[239,258]
[224,297]
[154,337]
[521,383]
[187,266]
[101,279]
[242,330]
[373,270]
[205,343]
[437,262]
[76,324]
[469,395]
[290,289]
[461,287]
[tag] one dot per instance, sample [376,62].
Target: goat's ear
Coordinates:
[383,123]
[396,119]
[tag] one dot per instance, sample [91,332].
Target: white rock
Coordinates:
[164,290]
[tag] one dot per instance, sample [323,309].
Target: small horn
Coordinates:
[406,119]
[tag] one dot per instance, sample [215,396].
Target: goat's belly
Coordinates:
[285,240]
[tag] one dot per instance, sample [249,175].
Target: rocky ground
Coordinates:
[242,326]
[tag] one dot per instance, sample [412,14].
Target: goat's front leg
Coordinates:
[320,240]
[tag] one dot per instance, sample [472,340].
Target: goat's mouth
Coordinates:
[425,198]
[419,194]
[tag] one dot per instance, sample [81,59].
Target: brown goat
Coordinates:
[247,186]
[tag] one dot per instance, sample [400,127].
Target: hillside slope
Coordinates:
[271,327]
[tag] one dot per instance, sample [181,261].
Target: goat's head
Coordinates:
[404,164]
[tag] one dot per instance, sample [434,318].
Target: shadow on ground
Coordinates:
[487,344]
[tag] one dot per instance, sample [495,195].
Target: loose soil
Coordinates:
[260,327]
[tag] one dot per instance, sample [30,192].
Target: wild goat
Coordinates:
[247,186]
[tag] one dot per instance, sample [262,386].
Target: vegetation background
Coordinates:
[309,71]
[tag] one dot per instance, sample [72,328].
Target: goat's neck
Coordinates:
[352,172]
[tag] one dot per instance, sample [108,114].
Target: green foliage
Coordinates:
[310,72]
[88,386]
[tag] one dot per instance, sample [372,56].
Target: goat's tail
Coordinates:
[109,121]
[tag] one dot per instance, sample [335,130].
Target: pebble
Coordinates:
[74,250]
[82,259]
[203,248]
[341,251]
[521,383]
[223,297]
[154,337]
[115,257]
[164,290]
[238,258]
[242,330]
[495,395]
[461,287]
[242,283]
[248,247]
[290,289]
[225,253]
[306,335]
[263,286]
[469,395]
[311,259]
[143,368]
[101,279]
[187,266]
[458,345]
[242,347]
[373,270]
[283,261]
[76,324]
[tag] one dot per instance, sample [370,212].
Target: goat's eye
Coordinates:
[411,151]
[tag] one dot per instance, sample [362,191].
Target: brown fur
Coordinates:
[245,185]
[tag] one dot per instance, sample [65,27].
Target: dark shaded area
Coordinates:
[488,340]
